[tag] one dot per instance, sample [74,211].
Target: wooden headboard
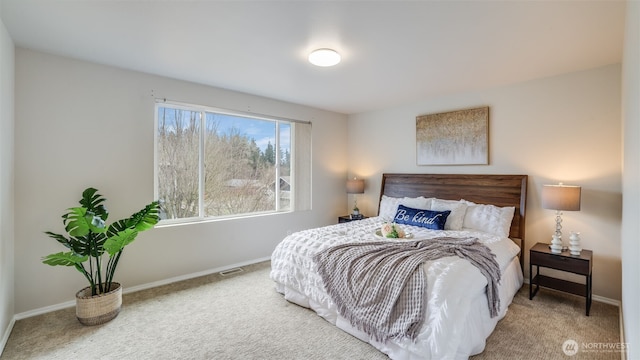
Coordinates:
[498,190]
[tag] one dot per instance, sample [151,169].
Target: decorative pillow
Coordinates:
[429,219]
[489,218]
[389,205]
[457,208]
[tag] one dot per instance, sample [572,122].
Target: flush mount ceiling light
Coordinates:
[324,57]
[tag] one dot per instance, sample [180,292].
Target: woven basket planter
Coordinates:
[98,309]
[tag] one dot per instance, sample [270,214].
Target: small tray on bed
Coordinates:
[407,235]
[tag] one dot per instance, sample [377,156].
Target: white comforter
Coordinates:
[457,321]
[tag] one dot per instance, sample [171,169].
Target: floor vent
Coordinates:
[231,271]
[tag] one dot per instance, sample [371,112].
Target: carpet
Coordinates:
[241,316]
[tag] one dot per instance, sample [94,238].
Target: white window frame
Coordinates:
[201,175]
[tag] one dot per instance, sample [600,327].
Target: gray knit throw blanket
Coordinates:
[379,287]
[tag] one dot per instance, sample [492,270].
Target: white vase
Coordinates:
[574,243]
[556,244]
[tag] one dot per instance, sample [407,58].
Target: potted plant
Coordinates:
[90,241]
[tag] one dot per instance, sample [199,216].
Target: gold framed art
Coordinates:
[453,138]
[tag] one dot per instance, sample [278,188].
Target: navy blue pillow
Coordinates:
[429,219]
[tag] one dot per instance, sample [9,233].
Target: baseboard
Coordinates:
[606,300]
[623,354]
[7,333]
[191,276]
[44,310]
[132,289]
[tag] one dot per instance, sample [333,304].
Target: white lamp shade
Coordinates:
[561,197]
[355,186]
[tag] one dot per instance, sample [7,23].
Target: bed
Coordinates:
[457,315]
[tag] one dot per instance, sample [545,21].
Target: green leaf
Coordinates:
[116,227]
[91,244]
[146,218]
[64,259]
[92,201]
[76,222]
[61,239]
[123,238]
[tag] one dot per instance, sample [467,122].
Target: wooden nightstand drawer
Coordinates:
[564,263]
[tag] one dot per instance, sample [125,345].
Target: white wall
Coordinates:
[80,124]
[6,184]
[631,182]
[565,128]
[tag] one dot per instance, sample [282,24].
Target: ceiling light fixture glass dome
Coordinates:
[324,57]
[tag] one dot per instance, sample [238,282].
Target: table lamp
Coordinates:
[560,198]
[355,186]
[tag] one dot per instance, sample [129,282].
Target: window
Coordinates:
[218,163]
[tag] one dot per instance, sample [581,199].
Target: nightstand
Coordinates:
[347,218]
[541,255]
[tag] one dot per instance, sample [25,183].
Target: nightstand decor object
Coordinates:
[560,198]
[355,186]
[556,244]
[574,243]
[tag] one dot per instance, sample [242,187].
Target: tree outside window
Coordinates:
[221,164]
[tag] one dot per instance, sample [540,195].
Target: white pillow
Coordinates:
[489,218]
[457,208]
[417,203]
[389,205]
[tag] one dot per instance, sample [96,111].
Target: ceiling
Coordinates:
[393,52]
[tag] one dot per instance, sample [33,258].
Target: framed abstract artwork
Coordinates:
[453,138]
